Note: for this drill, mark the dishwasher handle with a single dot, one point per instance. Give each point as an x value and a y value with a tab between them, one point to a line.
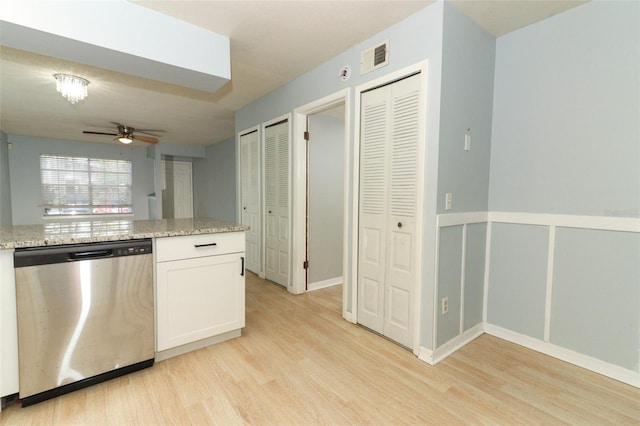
90	254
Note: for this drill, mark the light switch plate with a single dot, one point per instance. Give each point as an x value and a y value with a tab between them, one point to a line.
448	201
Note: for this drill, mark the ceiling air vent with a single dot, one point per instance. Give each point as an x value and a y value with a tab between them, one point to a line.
374	58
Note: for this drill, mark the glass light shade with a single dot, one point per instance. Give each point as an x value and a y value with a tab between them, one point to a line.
125	140
71	87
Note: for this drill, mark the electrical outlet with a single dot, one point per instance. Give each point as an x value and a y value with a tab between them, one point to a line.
445	305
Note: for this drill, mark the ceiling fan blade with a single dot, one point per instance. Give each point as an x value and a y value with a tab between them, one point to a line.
148	131
147	139
100	133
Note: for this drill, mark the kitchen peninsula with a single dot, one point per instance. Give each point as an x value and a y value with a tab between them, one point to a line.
198	279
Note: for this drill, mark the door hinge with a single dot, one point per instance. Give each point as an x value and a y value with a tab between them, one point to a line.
305	264
306	136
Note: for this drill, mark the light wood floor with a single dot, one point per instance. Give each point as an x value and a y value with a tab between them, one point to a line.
298	362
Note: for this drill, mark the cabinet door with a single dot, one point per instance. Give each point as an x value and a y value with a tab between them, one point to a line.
199	298
8	326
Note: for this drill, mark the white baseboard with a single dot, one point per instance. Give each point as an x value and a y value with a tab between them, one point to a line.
434	357
348	316
456	343
425	355
624	375
324	283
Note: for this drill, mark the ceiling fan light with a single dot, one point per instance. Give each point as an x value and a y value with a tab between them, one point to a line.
71	87
125	140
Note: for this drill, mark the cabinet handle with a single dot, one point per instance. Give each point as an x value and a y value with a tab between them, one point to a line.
399	224
205	245
242	267
244	208
269	211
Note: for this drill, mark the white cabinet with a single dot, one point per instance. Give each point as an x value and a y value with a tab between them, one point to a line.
200	291
8	326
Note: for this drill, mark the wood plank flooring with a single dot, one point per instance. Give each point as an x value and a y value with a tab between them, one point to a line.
299	363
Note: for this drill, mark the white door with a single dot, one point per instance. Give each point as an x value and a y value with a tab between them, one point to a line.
391	128
250	197
276	169
177	195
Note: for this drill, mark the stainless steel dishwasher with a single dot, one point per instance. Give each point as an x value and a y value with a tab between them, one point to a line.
85	315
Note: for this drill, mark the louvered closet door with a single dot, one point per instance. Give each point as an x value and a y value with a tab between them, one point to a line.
277	203
374	133
250	198
390	133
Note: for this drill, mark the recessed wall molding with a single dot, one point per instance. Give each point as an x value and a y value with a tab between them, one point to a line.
606	223
618	366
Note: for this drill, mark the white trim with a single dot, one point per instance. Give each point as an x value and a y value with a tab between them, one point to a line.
463	259
549	290
487	265
456	343
606	223
436	301
624	375
453	219
325	283
425	355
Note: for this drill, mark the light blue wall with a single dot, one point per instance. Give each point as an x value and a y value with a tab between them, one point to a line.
459	249
474	274
566	140
214	182
518	278
565	121
326	198
595	305
468	58
5	184
24	160
449	283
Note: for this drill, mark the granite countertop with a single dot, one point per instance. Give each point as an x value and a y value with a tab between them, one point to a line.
90	231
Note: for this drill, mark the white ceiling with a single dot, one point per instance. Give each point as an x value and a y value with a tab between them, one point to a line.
272	42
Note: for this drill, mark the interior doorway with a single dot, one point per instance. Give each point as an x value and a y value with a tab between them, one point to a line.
177	189
312	161
325	197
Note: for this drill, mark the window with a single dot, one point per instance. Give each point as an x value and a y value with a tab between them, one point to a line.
85	186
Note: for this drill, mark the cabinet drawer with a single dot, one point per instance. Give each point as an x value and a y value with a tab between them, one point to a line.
193	246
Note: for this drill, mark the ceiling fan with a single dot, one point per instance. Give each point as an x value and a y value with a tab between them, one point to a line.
126	134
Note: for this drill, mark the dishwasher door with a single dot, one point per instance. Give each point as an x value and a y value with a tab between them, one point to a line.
85	314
